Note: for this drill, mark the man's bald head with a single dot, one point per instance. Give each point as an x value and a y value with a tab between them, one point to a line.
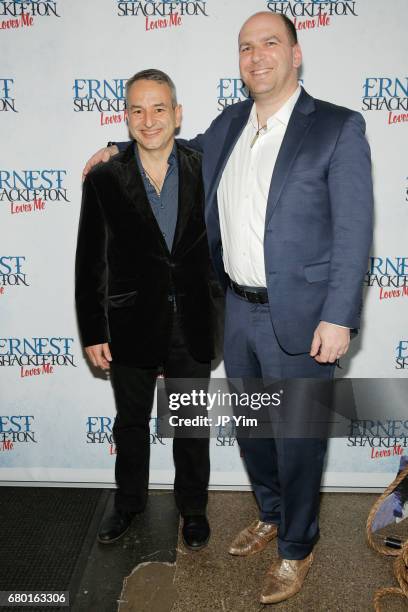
289	25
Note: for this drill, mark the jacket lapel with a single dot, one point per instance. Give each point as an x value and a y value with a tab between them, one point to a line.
135	188
301	119
187	192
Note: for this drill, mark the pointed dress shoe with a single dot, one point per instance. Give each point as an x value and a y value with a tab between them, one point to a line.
115	526
284	579
196	531
253	539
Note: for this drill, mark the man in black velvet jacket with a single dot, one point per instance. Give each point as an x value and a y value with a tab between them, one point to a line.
143	295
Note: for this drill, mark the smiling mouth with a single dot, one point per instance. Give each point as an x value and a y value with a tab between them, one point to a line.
260	72
151	134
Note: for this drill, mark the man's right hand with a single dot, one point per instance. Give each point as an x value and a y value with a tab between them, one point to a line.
103	155
99	355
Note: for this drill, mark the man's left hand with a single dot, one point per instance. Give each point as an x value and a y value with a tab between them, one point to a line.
330	342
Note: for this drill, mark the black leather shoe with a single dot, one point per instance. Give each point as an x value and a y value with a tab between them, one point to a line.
115	526
196	531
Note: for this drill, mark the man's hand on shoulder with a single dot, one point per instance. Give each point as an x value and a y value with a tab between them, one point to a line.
330	342
99	355
103	155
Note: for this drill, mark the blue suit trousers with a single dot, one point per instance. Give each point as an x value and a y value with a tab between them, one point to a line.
285	473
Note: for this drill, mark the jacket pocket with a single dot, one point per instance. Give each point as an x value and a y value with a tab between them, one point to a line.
317	272
121	300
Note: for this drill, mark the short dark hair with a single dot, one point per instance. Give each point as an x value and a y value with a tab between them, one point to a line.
290	28
152	74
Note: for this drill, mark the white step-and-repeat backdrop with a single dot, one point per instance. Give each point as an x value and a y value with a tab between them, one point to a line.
63	67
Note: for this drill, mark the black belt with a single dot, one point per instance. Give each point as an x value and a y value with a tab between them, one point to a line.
253	295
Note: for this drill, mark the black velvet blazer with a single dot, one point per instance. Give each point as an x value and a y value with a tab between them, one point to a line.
125	271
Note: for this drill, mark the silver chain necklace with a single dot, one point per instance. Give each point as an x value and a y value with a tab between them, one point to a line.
258	132
153	182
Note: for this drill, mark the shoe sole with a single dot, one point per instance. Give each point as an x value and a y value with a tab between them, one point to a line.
272	600
252	552
113	540
194	548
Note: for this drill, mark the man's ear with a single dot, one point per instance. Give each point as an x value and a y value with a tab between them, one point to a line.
297	56
179	114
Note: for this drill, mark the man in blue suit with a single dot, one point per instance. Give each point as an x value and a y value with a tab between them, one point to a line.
289	222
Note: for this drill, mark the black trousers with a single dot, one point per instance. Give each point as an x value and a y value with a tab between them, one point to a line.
134	391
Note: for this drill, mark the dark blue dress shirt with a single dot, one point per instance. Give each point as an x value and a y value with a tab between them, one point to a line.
165	205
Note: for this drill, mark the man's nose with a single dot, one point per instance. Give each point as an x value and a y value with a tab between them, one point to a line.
256	55
149	118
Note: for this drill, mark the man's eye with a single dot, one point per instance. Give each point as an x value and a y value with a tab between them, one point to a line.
271	43
244	49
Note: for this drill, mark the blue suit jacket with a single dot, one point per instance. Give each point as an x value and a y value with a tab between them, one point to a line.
318	226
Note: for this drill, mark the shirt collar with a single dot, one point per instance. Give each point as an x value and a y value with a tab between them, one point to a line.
285	111
282	115
172	161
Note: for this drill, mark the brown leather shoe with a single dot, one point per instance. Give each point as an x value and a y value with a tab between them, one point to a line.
285	578
253	539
